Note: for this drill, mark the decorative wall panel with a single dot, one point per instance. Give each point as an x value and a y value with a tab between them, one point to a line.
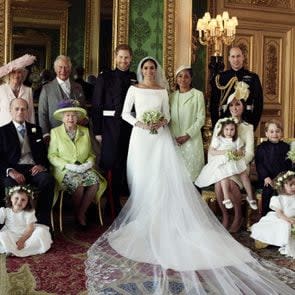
245	42
272	69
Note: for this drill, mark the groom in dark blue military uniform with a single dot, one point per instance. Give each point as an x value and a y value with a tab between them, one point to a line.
108	127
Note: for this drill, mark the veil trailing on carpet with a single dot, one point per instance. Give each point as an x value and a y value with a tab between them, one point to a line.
169	240
166	240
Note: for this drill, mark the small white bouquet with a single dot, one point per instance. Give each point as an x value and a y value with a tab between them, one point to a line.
291	155
152	117
233	155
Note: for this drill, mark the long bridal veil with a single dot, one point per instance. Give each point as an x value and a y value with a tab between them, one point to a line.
166	240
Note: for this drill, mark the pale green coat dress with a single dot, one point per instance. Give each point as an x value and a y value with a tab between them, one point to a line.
188	117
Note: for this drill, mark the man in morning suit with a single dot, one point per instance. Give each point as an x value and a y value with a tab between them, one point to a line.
225	85
108	127
23	158
60	88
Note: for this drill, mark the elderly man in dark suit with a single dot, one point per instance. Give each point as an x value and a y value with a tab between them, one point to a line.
60	88
23	158
108	127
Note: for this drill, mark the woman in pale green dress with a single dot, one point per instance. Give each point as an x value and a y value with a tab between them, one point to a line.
187	109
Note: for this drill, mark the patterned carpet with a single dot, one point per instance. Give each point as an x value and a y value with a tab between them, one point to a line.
61	270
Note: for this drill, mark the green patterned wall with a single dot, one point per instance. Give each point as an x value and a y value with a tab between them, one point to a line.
76	28
146	29
199	67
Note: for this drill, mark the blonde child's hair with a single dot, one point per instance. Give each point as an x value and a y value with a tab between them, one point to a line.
274	122
281	179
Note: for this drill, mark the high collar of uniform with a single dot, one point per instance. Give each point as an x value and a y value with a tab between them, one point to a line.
122	73
241	70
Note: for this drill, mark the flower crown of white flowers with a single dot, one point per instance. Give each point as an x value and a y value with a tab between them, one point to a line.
226	119
26	188
281	179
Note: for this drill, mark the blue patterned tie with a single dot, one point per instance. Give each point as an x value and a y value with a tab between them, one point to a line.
22	130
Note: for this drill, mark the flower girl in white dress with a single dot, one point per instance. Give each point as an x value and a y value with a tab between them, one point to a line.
278	226
20	235
225	160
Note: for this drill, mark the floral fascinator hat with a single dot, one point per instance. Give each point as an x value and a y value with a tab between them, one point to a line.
69	105
241	92
16	64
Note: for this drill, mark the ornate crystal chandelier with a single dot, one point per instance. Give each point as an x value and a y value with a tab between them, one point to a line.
217	31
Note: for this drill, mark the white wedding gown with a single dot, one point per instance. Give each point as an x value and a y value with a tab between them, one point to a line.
166	240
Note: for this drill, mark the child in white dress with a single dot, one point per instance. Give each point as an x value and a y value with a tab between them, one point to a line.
20	235
225	159
276	227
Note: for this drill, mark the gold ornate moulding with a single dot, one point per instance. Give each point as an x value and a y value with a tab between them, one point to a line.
268	4
169	40
32	14
120	22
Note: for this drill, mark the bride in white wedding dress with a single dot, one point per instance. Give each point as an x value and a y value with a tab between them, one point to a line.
166	240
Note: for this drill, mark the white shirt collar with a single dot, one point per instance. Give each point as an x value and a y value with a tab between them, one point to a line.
60	81
18	124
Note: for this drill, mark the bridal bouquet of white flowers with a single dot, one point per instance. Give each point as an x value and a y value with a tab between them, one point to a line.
152	117
233	156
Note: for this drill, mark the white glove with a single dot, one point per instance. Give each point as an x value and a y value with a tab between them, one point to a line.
86	166
83	167
79	168
72	167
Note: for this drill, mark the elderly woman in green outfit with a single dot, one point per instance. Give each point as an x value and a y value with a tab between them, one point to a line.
70	153
187	109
